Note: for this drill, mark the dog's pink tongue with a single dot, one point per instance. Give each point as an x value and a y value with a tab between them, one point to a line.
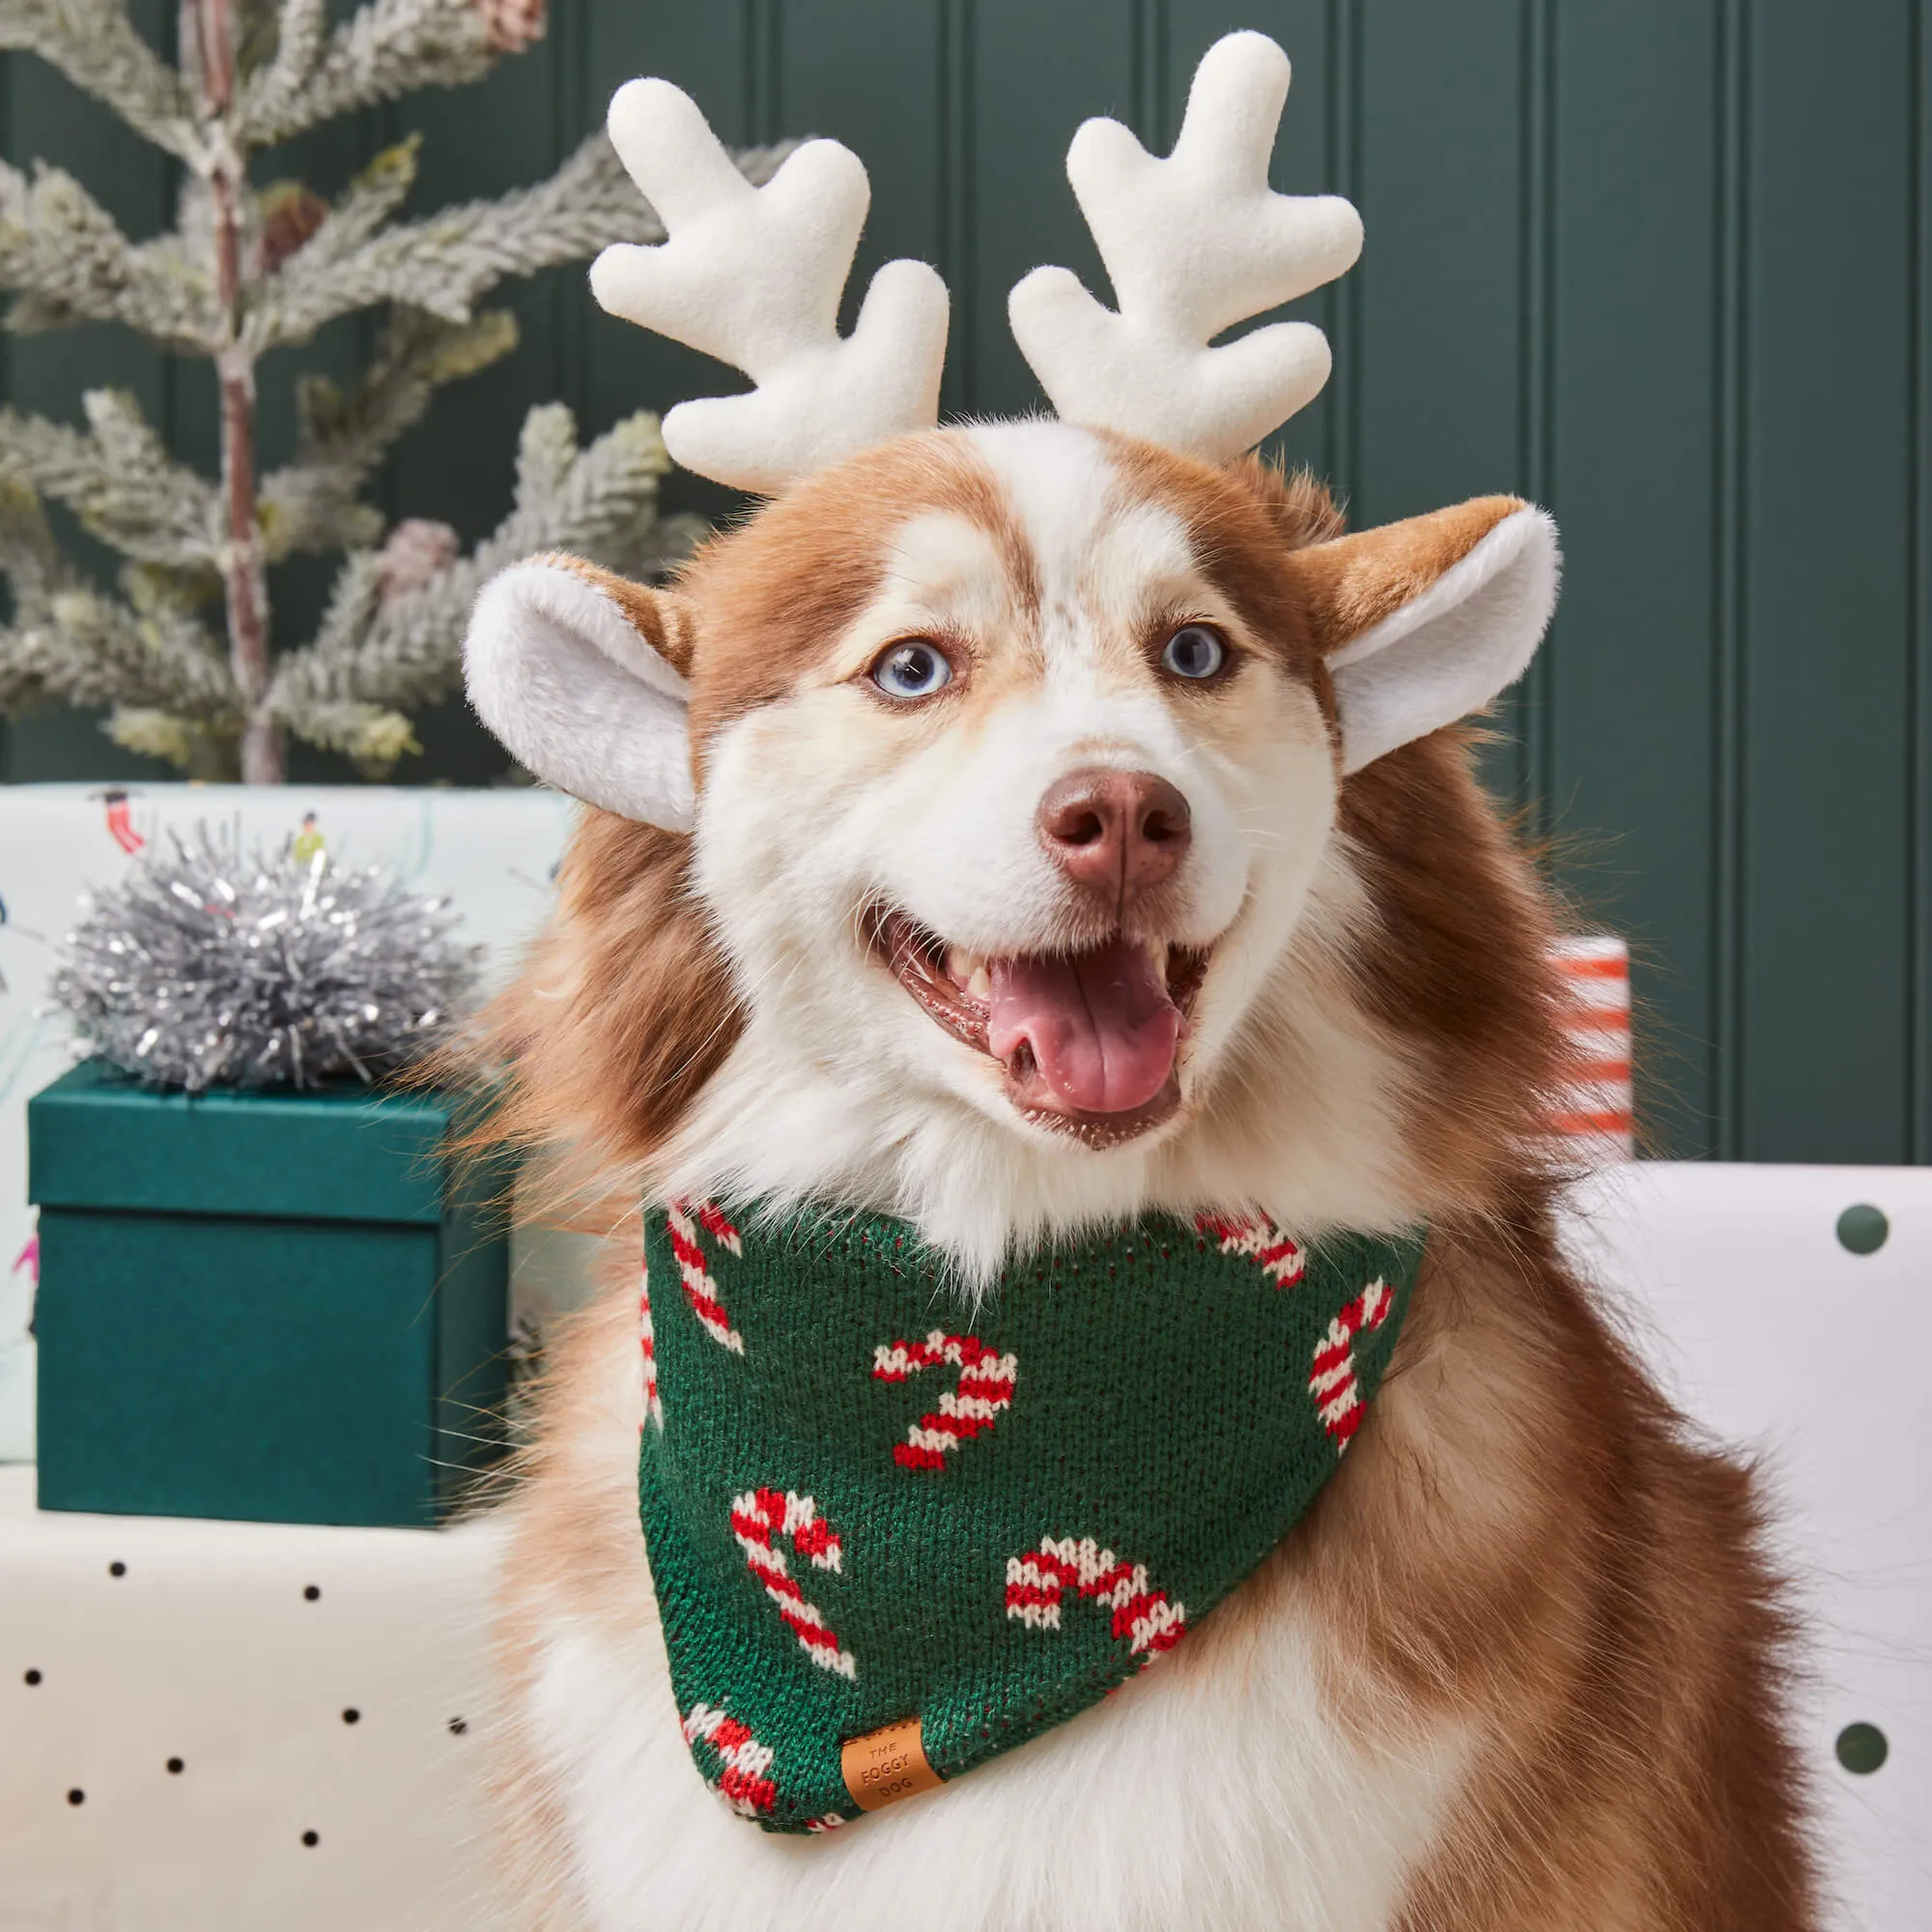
1100	1023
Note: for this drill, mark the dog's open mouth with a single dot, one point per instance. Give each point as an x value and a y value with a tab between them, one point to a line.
1088	1039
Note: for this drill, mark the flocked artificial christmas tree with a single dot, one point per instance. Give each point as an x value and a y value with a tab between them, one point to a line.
181	654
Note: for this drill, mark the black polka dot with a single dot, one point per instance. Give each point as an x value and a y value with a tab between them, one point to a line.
1862	1749
176	1767
352	1716
457	1726
117	1569
1863	1229
33	1677
313	1592
311	1838
76	1796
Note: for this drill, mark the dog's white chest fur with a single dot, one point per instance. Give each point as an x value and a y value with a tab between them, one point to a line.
1212	1792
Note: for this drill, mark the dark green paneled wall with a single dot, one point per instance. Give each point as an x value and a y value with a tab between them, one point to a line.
1661	263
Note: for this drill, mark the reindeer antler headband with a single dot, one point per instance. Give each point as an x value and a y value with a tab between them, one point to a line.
1192	246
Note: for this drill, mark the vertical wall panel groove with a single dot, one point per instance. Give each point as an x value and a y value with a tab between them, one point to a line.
574	111
1919	592
1154	116
1727	965
750	67
953	216
1534	776
764	64
169	395
1343	313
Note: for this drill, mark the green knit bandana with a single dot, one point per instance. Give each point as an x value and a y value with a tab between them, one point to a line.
873	1516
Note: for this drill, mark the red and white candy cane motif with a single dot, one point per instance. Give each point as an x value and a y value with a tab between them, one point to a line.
647	1338
743	1783
1036	1581
1278	1255
1332	1383
757	1517
986	1387
699	1290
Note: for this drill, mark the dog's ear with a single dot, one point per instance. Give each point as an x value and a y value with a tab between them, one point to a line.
1422	623
582	674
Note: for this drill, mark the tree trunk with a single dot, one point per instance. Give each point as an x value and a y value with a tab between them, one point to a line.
244	574
244	567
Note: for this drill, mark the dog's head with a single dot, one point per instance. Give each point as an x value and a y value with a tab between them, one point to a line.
1002	765
1002	780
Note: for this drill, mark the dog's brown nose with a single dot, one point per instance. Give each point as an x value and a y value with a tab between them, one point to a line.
1114	832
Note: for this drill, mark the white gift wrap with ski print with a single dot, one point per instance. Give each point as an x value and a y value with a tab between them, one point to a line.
494	854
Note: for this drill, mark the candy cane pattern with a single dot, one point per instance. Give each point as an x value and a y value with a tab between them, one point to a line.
1332	1383
756	1518
1279	1255
1036	1581
648	1337
699	1290
986	1387
743	1783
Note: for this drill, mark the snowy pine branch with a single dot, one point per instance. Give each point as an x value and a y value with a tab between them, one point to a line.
391	650
446	261
118	478
94	44
313	503
90	650
194	746
69	645
385	48
29	560
365	205
61	250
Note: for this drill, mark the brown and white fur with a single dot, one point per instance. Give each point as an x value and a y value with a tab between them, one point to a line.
1517	1670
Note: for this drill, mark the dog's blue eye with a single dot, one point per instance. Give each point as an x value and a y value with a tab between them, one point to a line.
1194	651
914	668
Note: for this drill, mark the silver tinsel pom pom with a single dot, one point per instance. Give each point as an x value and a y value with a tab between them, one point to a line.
204	968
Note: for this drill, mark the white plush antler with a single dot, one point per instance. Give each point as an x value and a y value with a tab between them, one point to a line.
753	276
1192	244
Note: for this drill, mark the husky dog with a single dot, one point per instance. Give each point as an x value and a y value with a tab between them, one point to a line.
1016	828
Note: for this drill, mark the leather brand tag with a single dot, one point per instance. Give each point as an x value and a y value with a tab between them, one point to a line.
887	1765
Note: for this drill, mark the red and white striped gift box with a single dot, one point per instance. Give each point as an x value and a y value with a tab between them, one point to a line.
1593	1110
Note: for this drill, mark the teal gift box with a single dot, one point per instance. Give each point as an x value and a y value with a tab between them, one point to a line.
278	1307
